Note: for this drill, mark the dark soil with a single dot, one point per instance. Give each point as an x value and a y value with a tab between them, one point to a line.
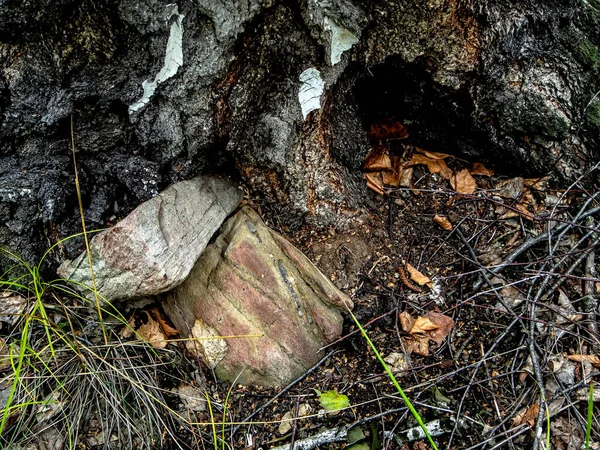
543	303
483	371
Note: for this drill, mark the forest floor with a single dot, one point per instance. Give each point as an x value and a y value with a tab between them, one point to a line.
512	265
501	277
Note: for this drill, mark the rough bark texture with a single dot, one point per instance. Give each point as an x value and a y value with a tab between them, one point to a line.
511	82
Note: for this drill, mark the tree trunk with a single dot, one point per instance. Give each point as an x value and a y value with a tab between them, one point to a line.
159	92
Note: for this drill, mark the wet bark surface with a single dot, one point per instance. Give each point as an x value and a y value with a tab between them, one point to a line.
514	84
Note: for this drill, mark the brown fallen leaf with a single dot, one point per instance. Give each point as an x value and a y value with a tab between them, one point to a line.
433	165
422	325
12	306
152	333
406	321
433	326
417	276
418	344
512	188
164	325
527	415
443	222
378	159
594	360
443	323
375	182
393	176
538	184
480	169
433	155
387	129
463	183
128	330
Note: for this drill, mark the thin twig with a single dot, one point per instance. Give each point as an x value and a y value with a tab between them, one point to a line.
284	390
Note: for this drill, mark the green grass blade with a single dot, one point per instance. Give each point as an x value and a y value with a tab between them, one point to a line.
590	417
396	384
212	421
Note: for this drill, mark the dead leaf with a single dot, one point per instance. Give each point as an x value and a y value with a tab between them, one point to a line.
594	360
417	276
422	325
564	435
527	415
463	183
433	165
12	306
512	188
444	325
480	169
152	333
538	184
433	155
167	329
192	397
524	212
387	129
433	326
443	222
406	321
375	182
393	177
128	330
418	344
378	159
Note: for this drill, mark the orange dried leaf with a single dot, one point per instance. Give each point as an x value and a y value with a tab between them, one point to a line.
443	222
433	155
527	415
433	165
393	177
406	321
538	184
594	360
388	129
375	182
443	326
480	169
167	329
422	325
378	159
127	330
463	183
524	212
152	333
417	276
418	344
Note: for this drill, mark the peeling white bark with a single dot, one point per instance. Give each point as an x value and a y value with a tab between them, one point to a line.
310	91
173	59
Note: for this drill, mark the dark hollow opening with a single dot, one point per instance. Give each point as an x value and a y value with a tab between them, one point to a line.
438	118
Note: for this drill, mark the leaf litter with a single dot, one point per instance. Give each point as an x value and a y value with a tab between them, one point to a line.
468	343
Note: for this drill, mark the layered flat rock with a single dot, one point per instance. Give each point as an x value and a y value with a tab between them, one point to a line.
154	248
253	282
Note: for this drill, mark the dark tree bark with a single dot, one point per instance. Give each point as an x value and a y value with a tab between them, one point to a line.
514	83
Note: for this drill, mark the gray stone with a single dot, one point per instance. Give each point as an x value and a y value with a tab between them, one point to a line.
251	281
154	248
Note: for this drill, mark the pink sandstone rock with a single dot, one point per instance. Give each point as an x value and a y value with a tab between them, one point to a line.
251	281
